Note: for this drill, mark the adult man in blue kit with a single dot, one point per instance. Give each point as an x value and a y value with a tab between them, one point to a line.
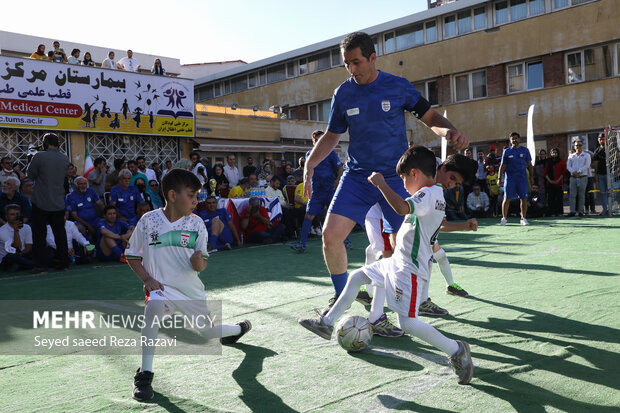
515	160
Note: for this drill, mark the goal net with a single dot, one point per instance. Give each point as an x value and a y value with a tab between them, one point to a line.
612	137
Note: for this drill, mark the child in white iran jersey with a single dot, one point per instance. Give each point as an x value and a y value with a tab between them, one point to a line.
167	250
405	274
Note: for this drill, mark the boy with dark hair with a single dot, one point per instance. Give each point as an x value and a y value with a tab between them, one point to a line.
406	273
167	251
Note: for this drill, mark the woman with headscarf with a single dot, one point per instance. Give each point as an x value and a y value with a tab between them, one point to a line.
155	194
555	170
40	53
539	173
88	60
141	185
220	179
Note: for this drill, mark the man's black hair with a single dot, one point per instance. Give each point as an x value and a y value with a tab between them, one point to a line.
98	161
466	167
177	179
276	178
11	207
109	207
192	153
418	157
50	139
361	40
118	162
243	181
141	157
132	162
515	134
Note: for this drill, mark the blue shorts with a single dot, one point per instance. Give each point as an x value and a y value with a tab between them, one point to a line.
321	198
355	196
516	187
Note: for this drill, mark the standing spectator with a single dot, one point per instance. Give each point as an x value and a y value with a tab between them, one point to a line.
281	168
168	164
155	167
59	55
492	158
11	196
69	182
539	175
455	203
218	175
113	235
198	168
15	241
219	225
250	168
73	59
157	68
150	174
493	188
125	197
48	169
299	172
7	170
231	171
112	178
589	196
257	226
96	177
40	53
108	62
88	60
578	165
128	63
264	173
84	206
469	153
600	169
516	161
132	165
555	170
478	203
481	173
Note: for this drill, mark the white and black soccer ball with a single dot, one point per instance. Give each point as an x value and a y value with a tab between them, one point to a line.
354	333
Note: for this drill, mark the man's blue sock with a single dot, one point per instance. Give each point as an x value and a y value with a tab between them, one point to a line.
117	252
339	281
213	240
305	230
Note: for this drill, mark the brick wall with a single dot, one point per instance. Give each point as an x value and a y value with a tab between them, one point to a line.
553	69
496	81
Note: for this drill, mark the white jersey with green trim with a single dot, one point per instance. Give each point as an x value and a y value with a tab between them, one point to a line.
166	247
417	234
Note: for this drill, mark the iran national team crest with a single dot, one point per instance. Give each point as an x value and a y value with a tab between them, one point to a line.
184	239
399	295
385	105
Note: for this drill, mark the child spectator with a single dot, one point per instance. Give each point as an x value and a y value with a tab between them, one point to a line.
88	60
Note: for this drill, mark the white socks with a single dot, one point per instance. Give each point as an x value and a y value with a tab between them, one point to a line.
444	265
428	333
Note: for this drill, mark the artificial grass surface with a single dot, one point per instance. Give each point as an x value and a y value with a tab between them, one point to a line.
541	321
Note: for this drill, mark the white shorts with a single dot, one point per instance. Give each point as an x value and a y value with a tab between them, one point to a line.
379	241
175	300
403	288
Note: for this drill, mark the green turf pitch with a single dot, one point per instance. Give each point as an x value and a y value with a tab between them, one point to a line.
542	321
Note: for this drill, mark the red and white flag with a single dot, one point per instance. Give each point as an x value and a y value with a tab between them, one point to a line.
89	166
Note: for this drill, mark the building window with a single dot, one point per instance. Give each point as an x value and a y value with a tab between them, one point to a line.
501	12
319	112
239	83
378	50
513	10
470	86
389	44
464	21
303	66
589	64
617	59
226	87
276	73
536	7
525	76
431	31
313	112
449	26
480	18
337	58
429	91
217	89
205	92
409	37
518	9
560	4
291	69
252	79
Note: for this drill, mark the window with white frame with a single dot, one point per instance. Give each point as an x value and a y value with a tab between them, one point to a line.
291	69
449	26
469	86
560	4
617	50
239	83
429	90
410	36
217	89
336	58
389	43
513	10
430	31
319	111
525	76
226	84
303	66
276	73
465	21
252	80
590	64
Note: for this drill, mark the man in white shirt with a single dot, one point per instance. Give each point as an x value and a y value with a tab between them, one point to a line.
231	171
7	170
79	246
288	210
478	203
15	241
150	174
578	165
128	63
108	62
199	169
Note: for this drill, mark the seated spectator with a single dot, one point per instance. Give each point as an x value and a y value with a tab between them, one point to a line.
250	168
96	177
273	191
7	170
288	212
40	53
70	178
79	247
125	196
73	59
132	165
10	195
257	226
128	63
255	188
84	207
157	68
18	169
288	171
536	203
219	225
478	203
88	60
155	194
112	178
142	208
59	55
241	190
15	241
141	185
112	236
264	173
27	188
108	62
455	204
50	56
168	164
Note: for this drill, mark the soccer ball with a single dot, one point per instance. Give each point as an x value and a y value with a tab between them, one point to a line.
354	333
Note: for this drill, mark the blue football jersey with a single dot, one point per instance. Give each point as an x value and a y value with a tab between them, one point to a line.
516	160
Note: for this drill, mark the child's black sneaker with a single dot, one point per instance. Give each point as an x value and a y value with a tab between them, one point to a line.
245	327
142	389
